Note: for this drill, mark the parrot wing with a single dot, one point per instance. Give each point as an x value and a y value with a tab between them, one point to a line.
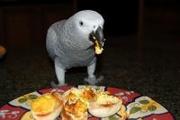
53	34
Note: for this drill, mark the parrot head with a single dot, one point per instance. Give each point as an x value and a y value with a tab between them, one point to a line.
89	24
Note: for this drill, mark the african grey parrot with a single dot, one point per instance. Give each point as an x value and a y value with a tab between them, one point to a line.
71	42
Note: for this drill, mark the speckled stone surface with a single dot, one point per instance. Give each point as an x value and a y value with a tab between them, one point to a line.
154	72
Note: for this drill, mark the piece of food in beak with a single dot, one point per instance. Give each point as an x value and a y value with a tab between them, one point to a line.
98	48
97	38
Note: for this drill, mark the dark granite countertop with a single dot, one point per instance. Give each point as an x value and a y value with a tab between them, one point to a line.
154	71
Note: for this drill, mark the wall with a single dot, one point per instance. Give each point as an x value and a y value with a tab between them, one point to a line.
25	26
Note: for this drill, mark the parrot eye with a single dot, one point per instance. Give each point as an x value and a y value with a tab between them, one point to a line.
81	23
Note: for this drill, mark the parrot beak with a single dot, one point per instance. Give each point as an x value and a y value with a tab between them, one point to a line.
97	37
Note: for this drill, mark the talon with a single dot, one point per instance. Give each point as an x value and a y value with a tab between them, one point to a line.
55	85
100	78
93	80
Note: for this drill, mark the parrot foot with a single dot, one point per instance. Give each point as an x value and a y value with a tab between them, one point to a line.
93	80
56	85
